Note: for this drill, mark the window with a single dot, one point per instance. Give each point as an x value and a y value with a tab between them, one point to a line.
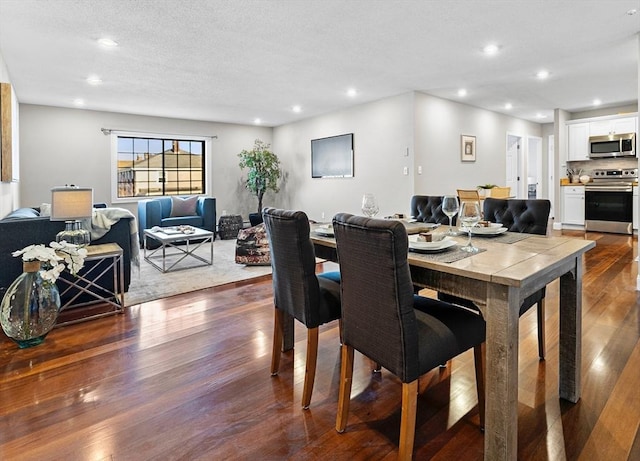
152	166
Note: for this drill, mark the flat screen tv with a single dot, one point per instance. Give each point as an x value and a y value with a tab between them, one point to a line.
332	157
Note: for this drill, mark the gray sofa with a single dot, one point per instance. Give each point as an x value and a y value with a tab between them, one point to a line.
25	226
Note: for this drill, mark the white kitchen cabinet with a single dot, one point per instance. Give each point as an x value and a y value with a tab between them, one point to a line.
578	148
613	126
573	205
635	207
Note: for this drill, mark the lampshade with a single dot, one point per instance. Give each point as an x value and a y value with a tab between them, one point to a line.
70	203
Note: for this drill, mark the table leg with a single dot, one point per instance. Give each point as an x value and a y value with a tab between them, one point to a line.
501	419
571	333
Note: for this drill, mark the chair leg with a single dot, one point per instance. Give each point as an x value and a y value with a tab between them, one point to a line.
346	377
541	330
277	341
310	366
408	420
479	355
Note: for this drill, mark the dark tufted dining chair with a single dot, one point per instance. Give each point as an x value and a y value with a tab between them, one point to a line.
518	215
382	318
428	208
311	299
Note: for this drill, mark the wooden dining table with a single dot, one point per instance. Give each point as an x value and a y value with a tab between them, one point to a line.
498	279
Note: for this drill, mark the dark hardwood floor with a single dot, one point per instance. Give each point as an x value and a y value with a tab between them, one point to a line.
187	378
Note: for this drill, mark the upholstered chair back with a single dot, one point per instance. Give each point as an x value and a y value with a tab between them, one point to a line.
377	299
428	208
295	285
519	215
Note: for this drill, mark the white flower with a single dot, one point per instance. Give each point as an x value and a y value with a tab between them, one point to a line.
55	256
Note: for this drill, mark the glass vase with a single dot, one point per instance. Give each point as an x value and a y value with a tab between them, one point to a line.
30	307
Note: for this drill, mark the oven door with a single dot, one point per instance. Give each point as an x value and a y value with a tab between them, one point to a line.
609	209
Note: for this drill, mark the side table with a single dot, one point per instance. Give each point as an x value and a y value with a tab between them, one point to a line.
229	225
86	279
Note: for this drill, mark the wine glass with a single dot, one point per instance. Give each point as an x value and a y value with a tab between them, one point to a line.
469	217
369	205
450	207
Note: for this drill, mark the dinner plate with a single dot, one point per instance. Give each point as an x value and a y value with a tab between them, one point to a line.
485	230
432	246
325	231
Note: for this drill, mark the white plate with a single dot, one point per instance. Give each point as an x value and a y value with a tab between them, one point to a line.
325	231
485	230
432	246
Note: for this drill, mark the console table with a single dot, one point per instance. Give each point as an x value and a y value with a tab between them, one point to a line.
112	254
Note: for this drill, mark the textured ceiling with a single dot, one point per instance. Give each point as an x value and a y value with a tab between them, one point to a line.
234	61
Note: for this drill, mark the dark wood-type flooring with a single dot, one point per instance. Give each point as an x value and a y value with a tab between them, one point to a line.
187	378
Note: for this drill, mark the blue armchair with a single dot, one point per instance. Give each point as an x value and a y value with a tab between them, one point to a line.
157	212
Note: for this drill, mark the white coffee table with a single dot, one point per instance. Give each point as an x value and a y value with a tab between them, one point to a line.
183	241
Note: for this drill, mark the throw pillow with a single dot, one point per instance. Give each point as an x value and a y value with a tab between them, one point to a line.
45	209
183	206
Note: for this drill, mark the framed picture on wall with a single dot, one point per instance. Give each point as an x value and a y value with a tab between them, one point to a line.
468	148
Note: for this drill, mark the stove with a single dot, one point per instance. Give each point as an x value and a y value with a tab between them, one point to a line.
614	176
609	201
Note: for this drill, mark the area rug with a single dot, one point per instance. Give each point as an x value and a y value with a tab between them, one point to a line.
148	283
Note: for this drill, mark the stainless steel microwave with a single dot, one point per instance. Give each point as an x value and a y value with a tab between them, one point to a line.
612	145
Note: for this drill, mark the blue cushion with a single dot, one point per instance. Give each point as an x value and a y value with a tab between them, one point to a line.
22	213
195	221
333	276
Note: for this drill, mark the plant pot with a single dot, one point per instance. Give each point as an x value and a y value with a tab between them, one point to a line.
255	219
30	307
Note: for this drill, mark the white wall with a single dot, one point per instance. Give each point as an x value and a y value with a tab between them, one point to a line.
439	123
65	146
383	131
9	191
429	127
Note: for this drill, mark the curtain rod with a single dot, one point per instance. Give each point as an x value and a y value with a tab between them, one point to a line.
107	132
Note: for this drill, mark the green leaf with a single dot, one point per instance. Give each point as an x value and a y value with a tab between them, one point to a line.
263	170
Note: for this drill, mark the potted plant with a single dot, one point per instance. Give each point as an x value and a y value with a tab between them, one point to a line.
263	174
485	189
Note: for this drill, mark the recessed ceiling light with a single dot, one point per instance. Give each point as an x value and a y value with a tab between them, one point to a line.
542	74
257	121
78	102
297	109
508	106
462	92
352	93
94	80
107	42
541	116
491	49
597	102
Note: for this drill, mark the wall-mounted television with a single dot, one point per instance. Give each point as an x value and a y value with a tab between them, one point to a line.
332	157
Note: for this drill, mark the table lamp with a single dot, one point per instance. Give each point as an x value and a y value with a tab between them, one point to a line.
70	204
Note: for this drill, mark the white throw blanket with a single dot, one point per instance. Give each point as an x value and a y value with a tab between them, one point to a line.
101	222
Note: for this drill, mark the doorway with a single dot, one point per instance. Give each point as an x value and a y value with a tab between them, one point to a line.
514	161
534	167
551	185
